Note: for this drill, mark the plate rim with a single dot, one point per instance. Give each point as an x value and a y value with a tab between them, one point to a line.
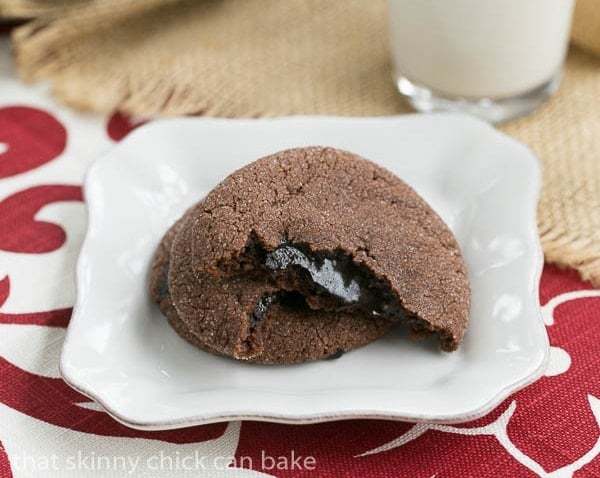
73	381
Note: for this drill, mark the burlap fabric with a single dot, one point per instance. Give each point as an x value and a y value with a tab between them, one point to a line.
33	8
586	25
272	57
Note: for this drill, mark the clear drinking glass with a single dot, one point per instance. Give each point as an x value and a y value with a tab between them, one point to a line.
496	59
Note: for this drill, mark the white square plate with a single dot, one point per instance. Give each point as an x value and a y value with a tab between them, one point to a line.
121	352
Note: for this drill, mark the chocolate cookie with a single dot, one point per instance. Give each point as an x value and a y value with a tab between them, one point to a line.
309	251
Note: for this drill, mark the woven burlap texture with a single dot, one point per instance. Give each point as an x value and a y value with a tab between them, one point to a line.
586	25
269	57
33	8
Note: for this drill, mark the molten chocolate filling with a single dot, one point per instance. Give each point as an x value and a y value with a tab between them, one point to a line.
332	282
329	281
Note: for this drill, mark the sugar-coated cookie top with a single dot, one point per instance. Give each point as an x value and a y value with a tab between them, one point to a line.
333	200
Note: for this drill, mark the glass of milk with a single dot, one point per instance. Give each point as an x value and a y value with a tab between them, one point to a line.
496	59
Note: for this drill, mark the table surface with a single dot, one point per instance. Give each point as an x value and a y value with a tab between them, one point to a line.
551	428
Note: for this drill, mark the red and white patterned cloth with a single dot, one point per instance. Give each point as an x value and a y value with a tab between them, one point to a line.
552	428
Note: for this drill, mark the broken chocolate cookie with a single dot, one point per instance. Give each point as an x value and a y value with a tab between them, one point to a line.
307	254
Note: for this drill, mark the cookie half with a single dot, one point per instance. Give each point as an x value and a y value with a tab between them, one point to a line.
247	318
345	232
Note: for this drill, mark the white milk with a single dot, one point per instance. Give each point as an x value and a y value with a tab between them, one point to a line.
479	48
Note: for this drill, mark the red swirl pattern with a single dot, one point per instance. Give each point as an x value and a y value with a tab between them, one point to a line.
30	137
20	231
